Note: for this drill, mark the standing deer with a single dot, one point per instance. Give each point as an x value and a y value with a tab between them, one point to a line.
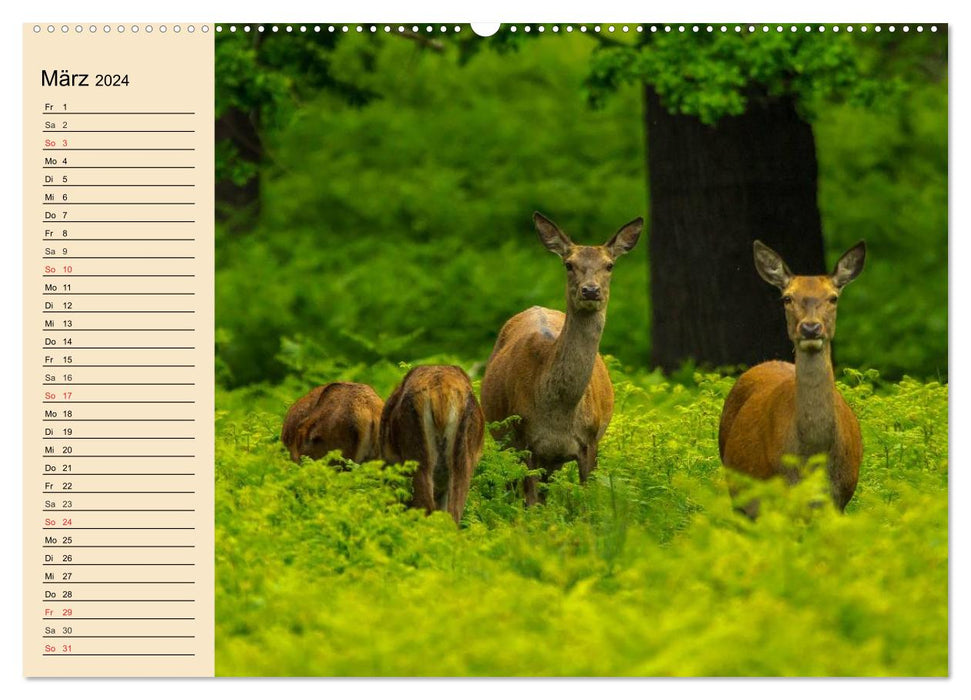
780	408
338	416
434	419
546	368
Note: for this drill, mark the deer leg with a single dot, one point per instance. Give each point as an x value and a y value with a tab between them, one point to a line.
424	490
530	491
586	461
531	483
750	509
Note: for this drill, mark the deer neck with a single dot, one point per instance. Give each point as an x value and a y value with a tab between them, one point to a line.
568	373
815	404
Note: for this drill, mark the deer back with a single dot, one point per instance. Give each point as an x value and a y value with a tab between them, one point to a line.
341	416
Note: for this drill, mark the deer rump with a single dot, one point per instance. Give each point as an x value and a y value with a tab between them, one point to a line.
337	416
439	425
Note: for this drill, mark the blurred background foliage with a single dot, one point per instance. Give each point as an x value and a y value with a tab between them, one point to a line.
396	178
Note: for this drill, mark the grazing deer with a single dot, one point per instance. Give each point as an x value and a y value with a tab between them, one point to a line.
338	416
780	408
546	368
434	419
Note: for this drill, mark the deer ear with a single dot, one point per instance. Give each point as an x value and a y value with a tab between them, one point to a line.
551	236
625	239
770	265
849	265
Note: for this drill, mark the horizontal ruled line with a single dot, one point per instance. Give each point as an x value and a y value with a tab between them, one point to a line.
123	311
118	257
72	528
125	347
72	401
115	618
73	564
122	221
119	420
116	437
112	184
125	583
124	474
123	600
119	167
142	275
130	240
68	511
119	636
120	294
110	204
118	131
118	330
127	113
63	148
70	654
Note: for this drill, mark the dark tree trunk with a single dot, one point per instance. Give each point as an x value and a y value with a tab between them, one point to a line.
239	204
713	190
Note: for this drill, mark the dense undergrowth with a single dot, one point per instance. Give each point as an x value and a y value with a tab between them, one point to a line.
646	570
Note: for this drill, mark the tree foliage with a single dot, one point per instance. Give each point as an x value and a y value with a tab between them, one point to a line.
716	74
403	223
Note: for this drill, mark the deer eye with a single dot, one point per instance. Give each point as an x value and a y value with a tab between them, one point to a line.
833	299
610	266
787	300
569	267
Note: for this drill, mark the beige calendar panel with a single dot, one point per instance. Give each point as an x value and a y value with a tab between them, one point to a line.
118	344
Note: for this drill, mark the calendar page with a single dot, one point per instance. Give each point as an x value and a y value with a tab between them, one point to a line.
464	350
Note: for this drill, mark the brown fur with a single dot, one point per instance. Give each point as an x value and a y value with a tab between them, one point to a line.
433	418
779	408
546	368
341	416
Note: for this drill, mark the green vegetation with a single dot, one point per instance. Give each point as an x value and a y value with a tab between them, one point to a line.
644	571
401	228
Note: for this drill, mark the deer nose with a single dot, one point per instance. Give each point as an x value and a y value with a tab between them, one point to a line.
810	331
590	291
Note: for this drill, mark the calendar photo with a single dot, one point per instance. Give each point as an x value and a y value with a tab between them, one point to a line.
531	268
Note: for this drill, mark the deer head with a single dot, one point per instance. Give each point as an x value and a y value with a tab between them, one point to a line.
809	300
588	267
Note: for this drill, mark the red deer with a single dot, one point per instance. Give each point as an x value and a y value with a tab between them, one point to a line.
546	368
434	419
338	416
781	408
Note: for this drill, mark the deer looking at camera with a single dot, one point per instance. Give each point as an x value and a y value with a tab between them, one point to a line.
781	408
338	416
546	368
434	419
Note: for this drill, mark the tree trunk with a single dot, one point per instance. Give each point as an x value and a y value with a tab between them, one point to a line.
239	204
713	190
